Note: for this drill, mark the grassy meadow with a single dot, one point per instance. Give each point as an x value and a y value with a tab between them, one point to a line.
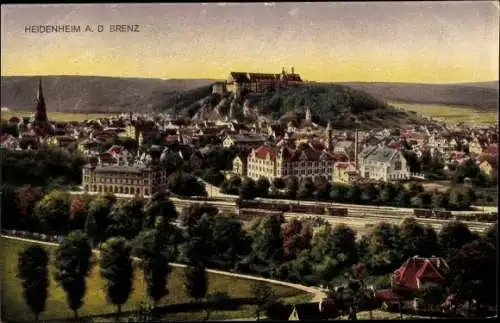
14	308
56	116
450	113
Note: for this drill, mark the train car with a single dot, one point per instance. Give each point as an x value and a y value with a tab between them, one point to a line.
423	213
336	211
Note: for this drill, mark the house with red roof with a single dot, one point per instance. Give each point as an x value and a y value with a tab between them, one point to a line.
410	277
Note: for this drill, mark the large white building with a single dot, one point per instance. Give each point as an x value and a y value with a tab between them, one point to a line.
381	163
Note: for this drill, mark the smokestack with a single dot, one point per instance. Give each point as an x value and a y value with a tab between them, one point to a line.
356	138
292	71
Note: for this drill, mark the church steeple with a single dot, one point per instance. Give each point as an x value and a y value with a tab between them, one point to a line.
328	136
41	111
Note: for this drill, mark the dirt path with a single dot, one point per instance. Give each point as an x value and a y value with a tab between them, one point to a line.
318	294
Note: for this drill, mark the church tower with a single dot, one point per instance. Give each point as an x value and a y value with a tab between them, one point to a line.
328	136
308	114
41	111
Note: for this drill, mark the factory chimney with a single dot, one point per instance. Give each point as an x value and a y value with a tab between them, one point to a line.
293	71
356	144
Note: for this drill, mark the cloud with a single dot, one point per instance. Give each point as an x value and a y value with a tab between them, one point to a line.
293	12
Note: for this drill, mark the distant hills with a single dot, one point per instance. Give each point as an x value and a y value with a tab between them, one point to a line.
93	93
346	104
482	95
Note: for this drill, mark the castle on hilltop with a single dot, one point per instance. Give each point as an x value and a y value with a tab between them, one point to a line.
238	82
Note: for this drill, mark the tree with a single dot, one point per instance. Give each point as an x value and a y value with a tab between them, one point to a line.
338	193
78	211
262	187
219	299
384	247
353	195
196	283
432	294
439	200
388	194
306	188
33	272
247	189
199	245
25	199
158	205
403	198
418	239
291	185
97	218
264	296
453	236
52	212
369	194
268	244
230	241
117	271
185	184
472	271
72	266
296	238
343	244
155	253
278	183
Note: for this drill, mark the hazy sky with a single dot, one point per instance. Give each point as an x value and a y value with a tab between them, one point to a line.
378	41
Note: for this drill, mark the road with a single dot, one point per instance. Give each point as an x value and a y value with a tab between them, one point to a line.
318	294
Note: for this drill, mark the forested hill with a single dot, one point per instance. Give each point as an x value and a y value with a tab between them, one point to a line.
93	93
343	106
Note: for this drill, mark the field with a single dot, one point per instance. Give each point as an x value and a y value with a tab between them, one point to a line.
450	113
56	116
14	307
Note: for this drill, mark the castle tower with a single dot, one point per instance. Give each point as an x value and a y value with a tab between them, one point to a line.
41	111
328	136
308	114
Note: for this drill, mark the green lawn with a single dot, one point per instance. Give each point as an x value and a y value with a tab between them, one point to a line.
56	116
450	113
14	307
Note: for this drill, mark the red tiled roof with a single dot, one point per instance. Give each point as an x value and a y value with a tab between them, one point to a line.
264	151
115	149
344	165
387	295
415	269
491	149
395	145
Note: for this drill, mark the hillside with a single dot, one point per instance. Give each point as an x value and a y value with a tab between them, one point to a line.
482	96
343	106
93	93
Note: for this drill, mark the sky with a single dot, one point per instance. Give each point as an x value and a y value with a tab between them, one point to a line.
426	42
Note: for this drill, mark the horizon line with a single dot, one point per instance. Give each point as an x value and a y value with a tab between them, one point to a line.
219	79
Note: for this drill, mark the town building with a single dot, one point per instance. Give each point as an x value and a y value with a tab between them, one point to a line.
141	180
244	141
410	277
381	163
344	172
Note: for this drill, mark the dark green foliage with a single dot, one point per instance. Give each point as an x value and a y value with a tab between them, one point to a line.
42	167
263	295
473	273
453	236
306	188
230	241
196	283
247	189
73	264
418	239
117	270
185	184
33	271
52	212
232	185
154	249
262	187
158	206
98	218
384	248
296	238
268	243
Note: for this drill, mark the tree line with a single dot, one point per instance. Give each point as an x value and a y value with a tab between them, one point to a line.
320	189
